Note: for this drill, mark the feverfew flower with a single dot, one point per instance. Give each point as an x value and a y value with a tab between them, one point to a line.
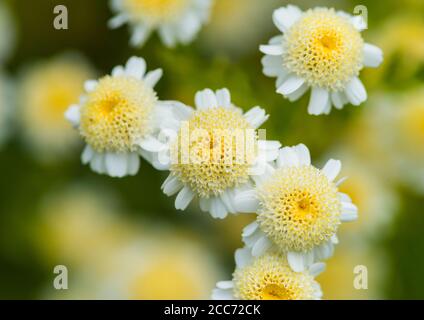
45	92
323	50
177	21
299	209
216	154
268	277
118	117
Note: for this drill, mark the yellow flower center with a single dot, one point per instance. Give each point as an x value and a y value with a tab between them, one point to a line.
156	11
117	114
299	208
269	277
323	48
212	152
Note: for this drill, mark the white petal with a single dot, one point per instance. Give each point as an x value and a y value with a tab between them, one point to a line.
285	17
219	294
217	208
303	154
250	229
296	95
152	77
184	197
171	185
205	99
90	85
288	157
73	115
318	101
225	284
290	85
152	144
116	164
133	164
256	116
355	92
296	261
205	204
272	65
87	154
373	55
261	246
316	269
246	202
227	200
118	71
97	163
117	21
332	169
140	35
135	67
223	97
349	212
243	257
339	99
272	49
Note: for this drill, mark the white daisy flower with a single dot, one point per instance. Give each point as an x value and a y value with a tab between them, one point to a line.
210	158
299	209
268	277
323	50
177	21
118	117
6	107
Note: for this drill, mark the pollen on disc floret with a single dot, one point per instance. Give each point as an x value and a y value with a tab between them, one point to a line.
215	163
117	114
324	48
299	208
270	277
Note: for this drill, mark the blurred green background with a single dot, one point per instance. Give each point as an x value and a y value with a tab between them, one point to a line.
43	197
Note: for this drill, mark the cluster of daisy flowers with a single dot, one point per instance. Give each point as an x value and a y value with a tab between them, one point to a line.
217	154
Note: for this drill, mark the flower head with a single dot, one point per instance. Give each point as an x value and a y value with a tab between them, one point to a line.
119	117
269	277
45	92
216	153
177	21
320	49
299	209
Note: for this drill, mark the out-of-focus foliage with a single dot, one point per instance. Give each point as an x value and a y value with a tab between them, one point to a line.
57	212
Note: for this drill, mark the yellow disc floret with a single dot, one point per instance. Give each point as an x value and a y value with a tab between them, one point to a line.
270	277
156	11
218	156
299	208
116	115
323	48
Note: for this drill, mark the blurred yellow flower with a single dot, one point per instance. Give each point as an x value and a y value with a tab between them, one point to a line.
78	226
337	282
46	91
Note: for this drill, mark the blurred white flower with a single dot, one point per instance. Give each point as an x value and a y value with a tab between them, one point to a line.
118	117
299	209
323	50
220	163
45	92
176	21
268	277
